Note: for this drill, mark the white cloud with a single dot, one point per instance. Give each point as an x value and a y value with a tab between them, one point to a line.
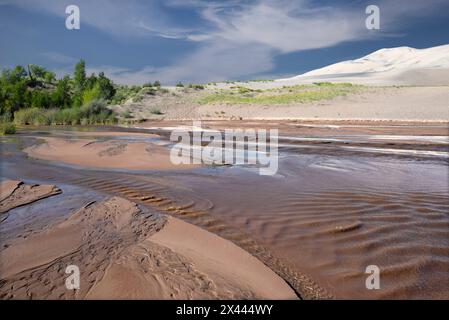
211	63
130	18
243	42
58	57
275	27
238	38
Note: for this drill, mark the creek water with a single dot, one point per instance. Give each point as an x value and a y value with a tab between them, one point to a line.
343	198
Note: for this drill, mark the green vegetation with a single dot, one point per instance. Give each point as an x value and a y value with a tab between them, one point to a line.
179	84
127	114
196	86
95	112
284	95
136	93
243	90
124	93
261	80
157	111
34	96
330	84
7	128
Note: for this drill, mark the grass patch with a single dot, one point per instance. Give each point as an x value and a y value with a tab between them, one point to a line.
261	80
284	95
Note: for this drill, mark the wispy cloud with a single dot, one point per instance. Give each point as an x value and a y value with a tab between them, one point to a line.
218	61
59	58
234	38
243	40
131	18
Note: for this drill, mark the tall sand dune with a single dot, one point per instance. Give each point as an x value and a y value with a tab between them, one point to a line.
390	66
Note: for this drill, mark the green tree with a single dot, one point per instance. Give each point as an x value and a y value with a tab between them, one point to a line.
90	82
91	94
107	90
41	99
17	74
17	97
79	80
13	89
61	97
80	75
37	72
49	77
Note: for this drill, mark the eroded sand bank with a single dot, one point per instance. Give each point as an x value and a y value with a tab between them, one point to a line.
14	194
124	251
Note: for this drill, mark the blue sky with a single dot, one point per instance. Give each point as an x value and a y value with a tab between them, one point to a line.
137	41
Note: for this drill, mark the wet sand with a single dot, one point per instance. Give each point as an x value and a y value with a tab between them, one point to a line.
14	194
126	253
347	195
110	154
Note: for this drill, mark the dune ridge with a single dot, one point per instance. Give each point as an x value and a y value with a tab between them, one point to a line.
400	66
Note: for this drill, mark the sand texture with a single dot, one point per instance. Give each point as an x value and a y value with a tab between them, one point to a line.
15	194
126	252
110	154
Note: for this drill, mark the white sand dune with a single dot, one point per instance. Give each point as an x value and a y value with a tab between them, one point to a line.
400	66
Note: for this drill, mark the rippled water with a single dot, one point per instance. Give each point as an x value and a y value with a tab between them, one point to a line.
334	217
340	202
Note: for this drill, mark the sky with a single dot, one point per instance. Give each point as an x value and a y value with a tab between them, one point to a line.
200	41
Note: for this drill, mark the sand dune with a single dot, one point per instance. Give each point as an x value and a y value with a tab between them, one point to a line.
400	66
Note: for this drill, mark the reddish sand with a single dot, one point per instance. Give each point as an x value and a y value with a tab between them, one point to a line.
111	154
15	194
125	253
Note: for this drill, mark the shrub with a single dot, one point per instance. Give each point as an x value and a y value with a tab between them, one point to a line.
7	128
95	107
67	116
179	84
6	117
156	111
243	90
196	86
126	114
91	94
31	116
148	90
95	112
124	93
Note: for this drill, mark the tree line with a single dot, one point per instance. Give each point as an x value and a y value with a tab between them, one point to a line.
36	87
